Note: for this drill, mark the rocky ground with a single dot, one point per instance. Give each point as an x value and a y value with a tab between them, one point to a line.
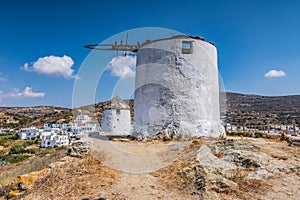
235	168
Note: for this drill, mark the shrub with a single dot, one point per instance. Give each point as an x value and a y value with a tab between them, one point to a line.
245	134
6	142
18	149
258	134
17	158
28	143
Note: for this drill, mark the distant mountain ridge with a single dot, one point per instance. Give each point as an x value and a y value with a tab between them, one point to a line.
262	110
263	103
239	109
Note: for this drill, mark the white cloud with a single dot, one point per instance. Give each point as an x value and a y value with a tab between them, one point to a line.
275	73
53	66
26	93
122	66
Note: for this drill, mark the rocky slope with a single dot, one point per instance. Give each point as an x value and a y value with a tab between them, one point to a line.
262	110
211	169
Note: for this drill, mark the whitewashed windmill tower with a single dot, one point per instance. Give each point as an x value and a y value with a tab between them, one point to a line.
116	117
176	86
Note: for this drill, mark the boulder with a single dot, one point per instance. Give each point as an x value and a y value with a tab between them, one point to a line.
79	148
24	182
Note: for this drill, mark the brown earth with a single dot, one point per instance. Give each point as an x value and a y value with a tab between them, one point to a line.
235	168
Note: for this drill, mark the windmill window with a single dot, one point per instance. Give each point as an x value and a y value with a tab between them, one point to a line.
118	111
187	47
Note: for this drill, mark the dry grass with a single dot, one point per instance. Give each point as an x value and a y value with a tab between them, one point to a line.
82	178
9	172
220	154
246	188
195	145
169	178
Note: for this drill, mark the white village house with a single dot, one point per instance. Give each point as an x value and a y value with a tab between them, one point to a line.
116	117
88	128
82	119
64	127
53	140
4	130
29	133
55	135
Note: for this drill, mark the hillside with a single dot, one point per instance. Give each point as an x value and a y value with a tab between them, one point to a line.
262	110
251	110
19	117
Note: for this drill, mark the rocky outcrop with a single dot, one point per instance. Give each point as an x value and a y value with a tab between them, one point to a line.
79	148
226	167
26	181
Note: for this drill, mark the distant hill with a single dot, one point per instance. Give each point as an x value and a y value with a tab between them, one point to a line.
18	117
261	110
240	109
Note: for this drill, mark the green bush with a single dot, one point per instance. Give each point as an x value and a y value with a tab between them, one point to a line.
10	135
2	156
6	143
18	149
258	135
245	134
7	139
17	158
32	151
28	143
7	134
37	141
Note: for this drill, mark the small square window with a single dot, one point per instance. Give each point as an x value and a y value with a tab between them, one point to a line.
118	111
187	47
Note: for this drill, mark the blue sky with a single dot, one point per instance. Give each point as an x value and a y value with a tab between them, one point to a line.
252	38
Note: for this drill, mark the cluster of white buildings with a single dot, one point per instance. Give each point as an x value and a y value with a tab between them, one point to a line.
30	133
59	134
116	119
272	129
5	130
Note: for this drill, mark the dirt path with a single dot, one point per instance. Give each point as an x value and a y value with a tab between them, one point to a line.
139	157
145	186
137	161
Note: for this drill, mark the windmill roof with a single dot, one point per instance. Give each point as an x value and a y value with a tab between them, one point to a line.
116	103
